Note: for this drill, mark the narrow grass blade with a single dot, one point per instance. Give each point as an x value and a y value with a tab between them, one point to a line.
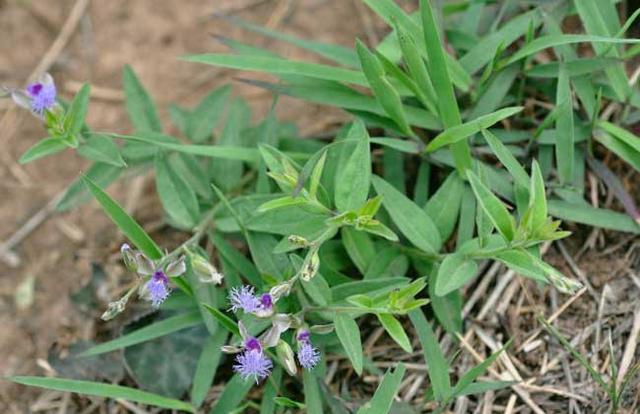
459	132
384	395
437	363
125	223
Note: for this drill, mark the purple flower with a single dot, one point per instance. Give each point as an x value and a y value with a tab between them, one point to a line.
38	96
253	363
158	288
244	298
308	356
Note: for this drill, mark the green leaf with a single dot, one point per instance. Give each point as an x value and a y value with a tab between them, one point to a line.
338	95
104	390
349	335
382	89
147	361
384	395
100	173
447	103
43	148
493	207
228	173
523	263
353	179
226	152
102	149
125	223
484	51
147	333
207	114
338	54
538	198
544	42
507	159
206	369
369	287
444	205
597	217
395	331
564	129
437	363
412	221
575	67
454	272
471	375
625	136
77	111
418	70
279	66
140	107
226	322
312	398
459	132
178	199
600	19
232	395
359	247
620	148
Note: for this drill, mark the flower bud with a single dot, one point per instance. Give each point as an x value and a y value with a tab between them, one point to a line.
280	290
205	271
310	267
231	349
298	241
287	358
129	257
114	309
176	267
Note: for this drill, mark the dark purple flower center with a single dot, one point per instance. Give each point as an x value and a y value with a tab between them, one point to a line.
252	344
34	89
304	336
159	276
266	301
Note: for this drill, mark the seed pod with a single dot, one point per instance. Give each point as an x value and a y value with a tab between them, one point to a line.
287	358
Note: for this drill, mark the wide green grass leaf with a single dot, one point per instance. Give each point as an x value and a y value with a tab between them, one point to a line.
279	66
104	390
147	333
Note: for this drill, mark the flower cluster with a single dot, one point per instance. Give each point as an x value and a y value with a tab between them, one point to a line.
252	361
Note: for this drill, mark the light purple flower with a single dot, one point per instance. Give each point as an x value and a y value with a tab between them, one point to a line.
43	95
39	96
243	298
158	288
253	363
308	356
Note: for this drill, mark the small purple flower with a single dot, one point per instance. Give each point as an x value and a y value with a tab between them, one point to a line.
244	298
158	288
308	356
253	363
42	94
266	301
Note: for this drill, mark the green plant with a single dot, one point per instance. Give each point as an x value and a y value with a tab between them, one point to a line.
459	153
